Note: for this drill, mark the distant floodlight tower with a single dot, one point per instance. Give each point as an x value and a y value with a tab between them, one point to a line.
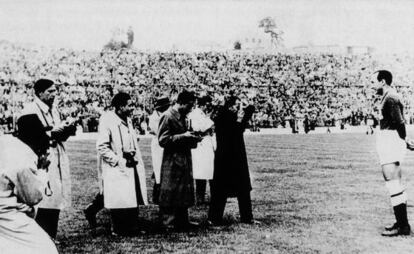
269	26
130	35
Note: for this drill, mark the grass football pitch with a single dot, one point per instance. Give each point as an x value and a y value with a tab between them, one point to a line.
321	193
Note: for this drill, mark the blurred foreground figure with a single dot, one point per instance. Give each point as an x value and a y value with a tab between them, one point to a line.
23	164
231	171
122	168
59	194
391	148
177	183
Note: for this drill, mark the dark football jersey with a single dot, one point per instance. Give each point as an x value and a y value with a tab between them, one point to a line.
392	112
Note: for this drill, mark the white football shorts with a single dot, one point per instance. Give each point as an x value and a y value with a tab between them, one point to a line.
390	147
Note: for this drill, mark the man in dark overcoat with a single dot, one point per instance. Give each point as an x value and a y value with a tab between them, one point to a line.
176	182
231	172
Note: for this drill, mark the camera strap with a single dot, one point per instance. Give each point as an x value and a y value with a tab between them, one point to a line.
121	138
120	135
44	116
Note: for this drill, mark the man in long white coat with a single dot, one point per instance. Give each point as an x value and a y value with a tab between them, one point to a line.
161	105
59	194
203	155
22	186
122	167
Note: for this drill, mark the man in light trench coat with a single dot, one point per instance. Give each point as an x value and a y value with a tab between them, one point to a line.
122	167
58	195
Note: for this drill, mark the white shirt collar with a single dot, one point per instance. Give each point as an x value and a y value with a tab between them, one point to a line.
42	105
119	120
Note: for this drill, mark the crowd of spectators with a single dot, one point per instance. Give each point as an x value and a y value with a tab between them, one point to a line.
323	88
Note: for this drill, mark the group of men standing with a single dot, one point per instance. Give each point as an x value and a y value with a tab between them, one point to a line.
35	177
184	151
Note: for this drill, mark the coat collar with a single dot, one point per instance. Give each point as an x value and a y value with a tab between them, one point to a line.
175	113
117	120
42	106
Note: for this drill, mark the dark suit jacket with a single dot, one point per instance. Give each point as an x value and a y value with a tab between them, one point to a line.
231	170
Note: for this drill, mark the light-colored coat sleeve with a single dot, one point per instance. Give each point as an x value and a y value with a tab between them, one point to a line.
18	166
103	143
153	123
27	186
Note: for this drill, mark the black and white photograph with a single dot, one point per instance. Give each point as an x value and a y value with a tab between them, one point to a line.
196	126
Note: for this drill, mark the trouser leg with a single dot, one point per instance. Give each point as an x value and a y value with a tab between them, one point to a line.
201	190
138	188
217	205
93	208
167	216
48	220
181	217
96	205
124	221
156	193
245	207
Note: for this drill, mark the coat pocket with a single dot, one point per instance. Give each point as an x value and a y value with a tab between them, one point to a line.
119	188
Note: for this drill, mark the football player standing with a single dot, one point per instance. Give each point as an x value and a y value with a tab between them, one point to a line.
391	144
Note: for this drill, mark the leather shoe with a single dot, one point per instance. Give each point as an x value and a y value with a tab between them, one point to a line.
166	229
391	227
212	225
191	225
188	226
404	230
251	222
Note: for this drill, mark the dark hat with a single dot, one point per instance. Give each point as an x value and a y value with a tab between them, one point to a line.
41	85
185	97
32	132
230	100
203	100
161	102
120	99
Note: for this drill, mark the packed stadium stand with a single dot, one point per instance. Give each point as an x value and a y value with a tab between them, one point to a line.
324	88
